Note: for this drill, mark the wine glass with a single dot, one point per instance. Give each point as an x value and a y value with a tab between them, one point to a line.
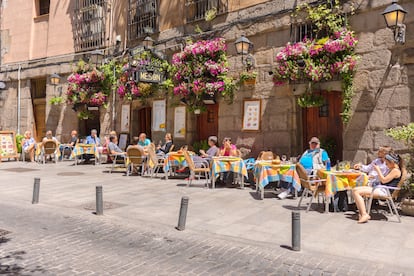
284	158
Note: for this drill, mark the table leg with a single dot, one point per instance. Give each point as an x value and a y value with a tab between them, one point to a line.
242	181
213	184
327	199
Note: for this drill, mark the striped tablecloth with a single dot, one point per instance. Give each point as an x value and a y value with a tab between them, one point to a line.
81	149
228	164
342	180
266	172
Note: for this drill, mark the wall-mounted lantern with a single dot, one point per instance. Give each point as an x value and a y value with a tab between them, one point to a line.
55	79
394	16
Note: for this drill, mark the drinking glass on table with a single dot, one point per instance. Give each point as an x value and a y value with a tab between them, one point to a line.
284	158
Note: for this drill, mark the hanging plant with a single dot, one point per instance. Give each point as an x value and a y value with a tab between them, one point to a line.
321	59
310	100
88	86
201	68
129	88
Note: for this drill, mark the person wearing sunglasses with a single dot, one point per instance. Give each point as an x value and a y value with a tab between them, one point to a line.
314	158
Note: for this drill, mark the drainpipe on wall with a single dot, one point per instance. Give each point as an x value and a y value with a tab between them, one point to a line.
18	97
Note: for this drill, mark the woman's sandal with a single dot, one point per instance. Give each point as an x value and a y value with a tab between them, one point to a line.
364	218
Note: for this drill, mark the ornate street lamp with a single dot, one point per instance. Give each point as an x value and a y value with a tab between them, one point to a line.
243	47
54	79
394	16
148	42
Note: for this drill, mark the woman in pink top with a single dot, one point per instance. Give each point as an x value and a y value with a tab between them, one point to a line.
228	149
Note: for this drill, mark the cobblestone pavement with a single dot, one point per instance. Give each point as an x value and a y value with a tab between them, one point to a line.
49	242
228	231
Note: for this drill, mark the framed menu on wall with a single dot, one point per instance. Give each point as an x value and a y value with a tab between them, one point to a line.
251	115
125	117
179	122
8	147
158	115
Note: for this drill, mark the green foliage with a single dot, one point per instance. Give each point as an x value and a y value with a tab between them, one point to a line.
210	14
56	100
19	138
310	100
203	144
247	75
329	144
85	115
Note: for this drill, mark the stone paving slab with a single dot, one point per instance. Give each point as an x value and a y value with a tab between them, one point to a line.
221	223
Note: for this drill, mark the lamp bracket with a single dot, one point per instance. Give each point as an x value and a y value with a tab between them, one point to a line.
399	34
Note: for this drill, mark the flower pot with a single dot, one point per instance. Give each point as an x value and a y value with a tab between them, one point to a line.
407	206
197	111
249	82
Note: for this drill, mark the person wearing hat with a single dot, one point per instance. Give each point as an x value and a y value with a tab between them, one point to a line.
396	168
314	158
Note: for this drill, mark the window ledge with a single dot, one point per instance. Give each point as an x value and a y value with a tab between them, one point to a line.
43	17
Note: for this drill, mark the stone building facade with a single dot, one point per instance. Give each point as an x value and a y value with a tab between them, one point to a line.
34	46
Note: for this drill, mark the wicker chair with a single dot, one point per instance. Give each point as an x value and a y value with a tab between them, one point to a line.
311	185
136	160
198	171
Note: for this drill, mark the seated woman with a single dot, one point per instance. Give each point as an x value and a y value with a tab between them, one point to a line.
395	166
29	145
228	149
213	149
164	149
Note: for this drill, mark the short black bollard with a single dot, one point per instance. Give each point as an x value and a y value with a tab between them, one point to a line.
36	188
183	213
99	201
296	231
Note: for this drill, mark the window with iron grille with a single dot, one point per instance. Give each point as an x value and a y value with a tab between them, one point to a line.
142	18
196	9
44	6
301	30
89	24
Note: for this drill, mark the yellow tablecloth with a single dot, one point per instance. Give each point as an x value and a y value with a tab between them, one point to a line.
342	180
228	164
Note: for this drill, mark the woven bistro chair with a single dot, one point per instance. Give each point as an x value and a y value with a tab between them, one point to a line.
157	161
49	148
202	169
266	155
136	160
311	185
390	197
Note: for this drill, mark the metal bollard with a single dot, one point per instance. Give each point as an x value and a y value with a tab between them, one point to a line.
36	188
99	201
183	213
296	231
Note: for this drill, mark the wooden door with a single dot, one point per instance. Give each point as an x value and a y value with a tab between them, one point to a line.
325	122
141	121
207	122
39	112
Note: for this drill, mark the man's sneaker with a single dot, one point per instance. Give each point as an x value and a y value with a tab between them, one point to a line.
283	194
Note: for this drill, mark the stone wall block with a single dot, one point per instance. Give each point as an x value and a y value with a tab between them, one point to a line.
378	59
394	77
400	96
361	80
365	142
365	42
384	38
375	78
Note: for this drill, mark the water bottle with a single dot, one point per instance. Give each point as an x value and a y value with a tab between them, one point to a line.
328	164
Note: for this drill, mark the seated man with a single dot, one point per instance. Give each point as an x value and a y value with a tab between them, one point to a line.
113	148
29	145
93	139
72	142
143	141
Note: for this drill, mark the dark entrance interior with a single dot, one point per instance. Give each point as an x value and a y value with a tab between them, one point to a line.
85	126
141	121
326	123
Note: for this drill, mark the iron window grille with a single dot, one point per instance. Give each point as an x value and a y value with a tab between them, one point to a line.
89	24
196	9
142	18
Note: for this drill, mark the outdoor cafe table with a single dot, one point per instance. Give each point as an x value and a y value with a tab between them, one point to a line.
265	172
341	181
228	164
173	159
81	149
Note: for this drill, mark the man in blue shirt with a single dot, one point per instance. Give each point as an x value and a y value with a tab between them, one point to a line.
94	140
314	158
143	141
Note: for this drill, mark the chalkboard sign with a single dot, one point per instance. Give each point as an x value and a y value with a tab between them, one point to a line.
8	147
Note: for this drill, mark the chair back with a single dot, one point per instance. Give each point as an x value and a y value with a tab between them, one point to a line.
152	155
189	160
49	147
135	155
303	176
266	155
396	193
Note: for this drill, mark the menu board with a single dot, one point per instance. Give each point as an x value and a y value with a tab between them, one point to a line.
251	115
8	145
158	115
179	122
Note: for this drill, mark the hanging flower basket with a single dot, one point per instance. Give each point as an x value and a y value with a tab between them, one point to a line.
248	77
